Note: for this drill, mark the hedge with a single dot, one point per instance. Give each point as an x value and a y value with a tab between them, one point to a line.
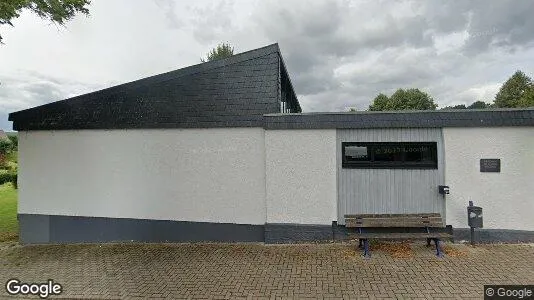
6	177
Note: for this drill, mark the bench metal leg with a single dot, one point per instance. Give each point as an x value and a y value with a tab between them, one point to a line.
439	253
366	252
360	244
428	242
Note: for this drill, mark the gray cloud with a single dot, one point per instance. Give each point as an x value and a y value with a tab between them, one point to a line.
446	16
506	24
26	90
342	54
210	21
4	123
170	9
22	90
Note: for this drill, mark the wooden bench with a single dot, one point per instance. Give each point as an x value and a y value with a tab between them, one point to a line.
427	226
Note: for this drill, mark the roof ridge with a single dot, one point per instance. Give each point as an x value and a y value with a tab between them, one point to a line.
170	75
219	63
423	119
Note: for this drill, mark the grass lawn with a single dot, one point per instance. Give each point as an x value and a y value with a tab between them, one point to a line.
9	226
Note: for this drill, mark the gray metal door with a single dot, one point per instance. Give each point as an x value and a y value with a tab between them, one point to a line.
389	190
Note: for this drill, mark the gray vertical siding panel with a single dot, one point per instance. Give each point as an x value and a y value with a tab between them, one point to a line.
389	190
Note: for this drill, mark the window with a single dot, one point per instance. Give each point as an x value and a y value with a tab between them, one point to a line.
405	155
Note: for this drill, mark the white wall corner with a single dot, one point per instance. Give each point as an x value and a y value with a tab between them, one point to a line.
505	197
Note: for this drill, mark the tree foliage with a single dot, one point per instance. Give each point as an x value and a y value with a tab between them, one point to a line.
479	105
513	90
527	99
5	146
381	102
403	99
14	142
57	11
475	105
459	106
222	50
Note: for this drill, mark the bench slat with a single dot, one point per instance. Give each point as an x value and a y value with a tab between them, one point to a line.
394	220
401	235
399	219
393	223
393	215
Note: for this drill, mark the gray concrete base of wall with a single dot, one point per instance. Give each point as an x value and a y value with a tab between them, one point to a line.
44	229
297	233
494	235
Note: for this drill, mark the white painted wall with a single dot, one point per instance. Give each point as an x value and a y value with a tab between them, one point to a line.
207	175
507	198
301	176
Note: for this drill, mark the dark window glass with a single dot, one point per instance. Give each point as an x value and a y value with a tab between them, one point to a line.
418	154
406	155
387	153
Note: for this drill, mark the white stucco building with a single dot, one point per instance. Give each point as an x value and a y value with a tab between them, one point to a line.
222	152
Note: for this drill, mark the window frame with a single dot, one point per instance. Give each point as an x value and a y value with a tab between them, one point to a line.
372	164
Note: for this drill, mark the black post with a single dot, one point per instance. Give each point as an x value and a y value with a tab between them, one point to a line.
472	228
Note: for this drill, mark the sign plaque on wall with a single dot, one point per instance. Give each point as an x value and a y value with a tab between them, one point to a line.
490	165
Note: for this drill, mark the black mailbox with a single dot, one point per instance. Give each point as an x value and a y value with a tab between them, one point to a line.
443	189
474	216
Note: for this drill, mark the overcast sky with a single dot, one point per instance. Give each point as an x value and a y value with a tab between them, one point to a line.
339	53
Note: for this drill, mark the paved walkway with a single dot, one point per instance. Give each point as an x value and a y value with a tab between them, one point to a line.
259	271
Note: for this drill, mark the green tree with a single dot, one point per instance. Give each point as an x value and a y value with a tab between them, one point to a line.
221	51
474	105
5	145
479	105
527	99
5	148
409	99
57	11
380	102
14	142
512	90
459	106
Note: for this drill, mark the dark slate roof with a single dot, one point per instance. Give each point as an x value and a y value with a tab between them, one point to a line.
403	119
231	92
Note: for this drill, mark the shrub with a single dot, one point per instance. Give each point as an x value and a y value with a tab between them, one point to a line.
14	142
5	146
6	177
14	177
12	166
3	161
12	157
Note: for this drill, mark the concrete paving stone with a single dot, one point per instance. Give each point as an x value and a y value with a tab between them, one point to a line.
256	271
